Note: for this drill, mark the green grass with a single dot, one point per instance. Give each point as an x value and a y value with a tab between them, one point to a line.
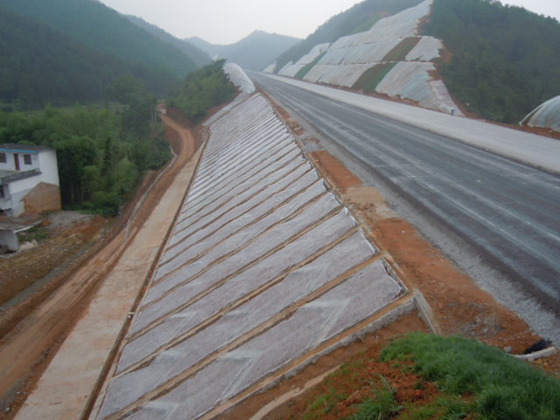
502	387
301	74
373	76
37	233
382	407
401	50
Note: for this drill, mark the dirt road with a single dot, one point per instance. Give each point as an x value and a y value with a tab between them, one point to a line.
31	346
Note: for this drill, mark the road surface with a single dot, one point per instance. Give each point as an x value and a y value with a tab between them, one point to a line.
505	209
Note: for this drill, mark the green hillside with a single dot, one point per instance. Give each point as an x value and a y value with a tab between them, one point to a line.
505	61
359	18
42	65
199	57
105	30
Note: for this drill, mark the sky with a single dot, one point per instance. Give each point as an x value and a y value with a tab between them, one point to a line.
228	21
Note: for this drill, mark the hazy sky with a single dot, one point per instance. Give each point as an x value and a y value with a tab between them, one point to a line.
228	21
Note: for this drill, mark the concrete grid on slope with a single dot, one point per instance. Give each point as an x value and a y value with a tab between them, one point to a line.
264	269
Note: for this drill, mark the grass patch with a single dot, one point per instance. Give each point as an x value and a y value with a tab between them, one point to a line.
301	74
501	386
38	233
401	50
324	404
373	76
382	406
422	376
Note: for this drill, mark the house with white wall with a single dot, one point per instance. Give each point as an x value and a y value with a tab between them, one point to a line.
29	181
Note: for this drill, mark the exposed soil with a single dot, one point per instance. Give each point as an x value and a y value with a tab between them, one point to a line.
39	324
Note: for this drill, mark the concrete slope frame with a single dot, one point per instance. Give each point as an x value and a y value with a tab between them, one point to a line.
265	269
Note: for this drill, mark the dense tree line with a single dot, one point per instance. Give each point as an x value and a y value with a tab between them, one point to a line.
505	61
102	152
359	18
202	90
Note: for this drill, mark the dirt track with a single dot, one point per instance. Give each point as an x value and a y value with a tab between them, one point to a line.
27	350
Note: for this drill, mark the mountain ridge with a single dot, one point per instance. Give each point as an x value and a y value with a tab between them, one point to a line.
254	52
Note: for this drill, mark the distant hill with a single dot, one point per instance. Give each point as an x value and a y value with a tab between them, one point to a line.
124	46
254	52
199	56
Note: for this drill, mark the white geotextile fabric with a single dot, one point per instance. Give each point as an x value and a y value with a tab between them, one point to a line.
239	78
343	75
546	115
412	80
261	252
427	49
347	59
292	69
270	68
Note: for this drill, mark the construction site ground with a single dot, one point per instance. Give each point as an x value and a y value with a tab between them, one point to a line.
103	285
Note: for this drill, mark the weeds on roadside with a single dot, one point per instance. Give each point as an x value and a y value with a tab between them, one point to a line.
501	386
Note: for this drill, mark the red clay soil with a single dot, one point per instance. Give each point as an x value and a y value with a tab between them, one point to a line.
30	344
302	393
349	387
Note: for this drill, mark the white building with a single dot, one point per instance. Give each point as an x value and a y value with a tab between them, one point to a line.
28	179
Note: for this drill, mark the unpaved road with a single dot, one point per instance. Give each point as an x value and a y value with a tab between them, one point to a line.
27	350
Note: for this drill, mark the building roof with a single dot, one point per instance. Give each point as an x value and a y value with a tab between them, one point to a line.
23	148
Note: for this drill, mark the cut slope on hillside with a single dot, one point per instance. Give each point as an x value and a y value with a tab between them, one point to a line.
356	19
390	59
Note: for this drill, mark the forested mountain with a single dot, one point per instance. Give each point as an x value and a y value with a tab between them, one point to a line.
102	28
254	52
41	65
66	51
199	56
359	18
505	61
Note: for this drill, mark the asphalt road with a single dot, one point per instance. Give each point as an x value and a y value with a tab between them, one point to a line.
510	212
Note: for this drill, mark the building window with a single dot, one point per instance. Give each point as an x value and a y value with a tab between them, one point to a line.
2	194
3	158
27	159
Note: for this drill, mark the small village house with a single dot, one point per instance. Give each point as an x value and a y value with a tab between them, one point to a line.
29	180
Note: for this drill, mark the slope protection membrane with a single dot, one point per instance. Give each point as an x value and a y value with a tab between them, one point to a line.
263	267
345	61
